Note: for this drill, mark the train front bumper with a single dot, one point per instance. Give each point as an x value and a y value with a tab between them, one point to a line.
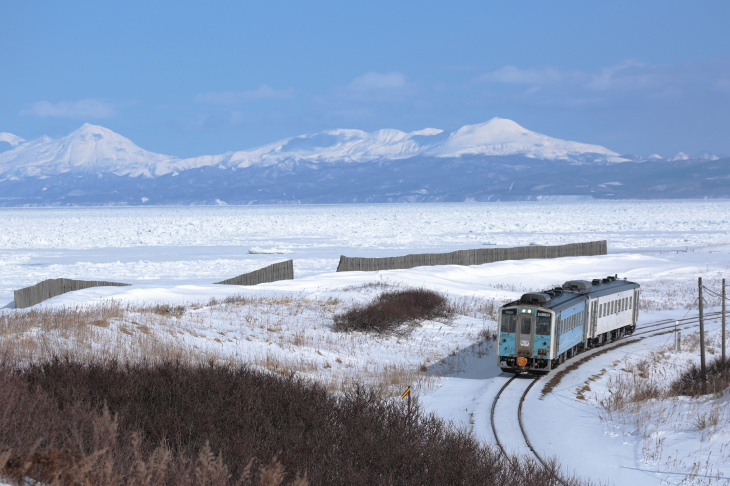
521	364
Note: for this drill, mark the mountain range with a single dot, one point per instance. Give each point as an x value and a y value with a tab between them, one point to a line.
495	160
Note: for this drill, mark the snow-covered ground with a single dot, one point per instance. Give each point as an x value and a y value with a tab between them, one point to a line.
172	256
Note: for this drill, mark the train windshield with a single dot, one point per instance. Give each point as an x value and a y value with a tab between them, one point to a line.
543	324
509	320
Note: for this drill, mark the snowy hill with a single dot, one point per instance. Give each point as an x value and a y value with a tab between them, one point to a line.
90	149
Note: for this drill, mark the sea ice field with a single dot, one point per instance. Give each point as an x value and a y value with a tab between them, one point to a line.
201	245
173	255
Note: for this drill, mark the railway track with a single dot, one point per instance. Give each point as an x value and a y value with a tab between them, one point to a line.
521	426
657	326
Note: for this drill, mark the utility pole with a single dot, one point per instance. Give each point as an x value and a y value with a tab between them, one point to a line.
702	343
723	320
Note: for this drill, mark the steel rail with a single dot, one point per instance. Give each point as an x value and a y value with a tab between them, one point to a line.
527	440
685	325
494	428
715	315
522	428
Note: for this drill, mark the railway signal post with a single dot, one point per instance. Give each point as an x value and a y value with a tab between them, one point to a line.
702	342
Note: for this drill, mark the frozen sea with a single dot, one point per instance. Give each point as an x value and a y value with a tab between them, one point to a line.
197	245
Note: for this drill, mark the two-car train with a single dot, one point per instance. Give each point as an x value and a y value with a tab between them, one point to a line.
543	329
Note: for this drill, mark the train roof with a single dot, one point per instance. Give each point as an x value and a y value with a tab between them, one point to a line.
574	292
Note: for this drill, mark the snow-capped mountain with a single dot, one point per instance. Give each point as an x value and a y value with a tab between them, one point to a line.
90	149
341	145
95	149
505	137
496	137
494	161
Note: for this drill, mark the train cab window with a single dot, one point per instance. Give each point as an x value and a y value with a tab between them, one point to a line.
509	320
542	328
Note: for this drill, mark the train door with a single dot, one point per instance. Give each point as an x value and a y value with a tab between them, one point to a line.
525	332
594	319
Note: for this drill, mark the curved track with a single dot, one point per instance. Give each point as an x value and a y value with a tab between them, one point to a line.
657	326
522	428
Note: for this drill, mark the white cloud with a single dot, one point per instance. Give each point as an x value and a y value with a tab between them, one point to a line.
626	76
235	97
541	76
88	108
371	81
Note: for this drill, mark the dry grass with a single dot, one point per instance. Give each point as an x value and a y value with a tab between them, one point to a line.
282	334
642	399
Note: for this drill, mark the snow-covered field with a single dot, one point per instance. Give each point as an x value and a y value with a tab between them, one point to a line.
172	256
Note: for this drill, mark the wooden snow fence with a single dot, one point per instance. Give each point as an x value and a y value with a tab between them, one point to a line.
52	287
272	273
472	257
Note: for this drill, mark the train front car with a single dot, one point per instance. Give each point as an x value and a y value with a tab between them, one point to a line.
525	337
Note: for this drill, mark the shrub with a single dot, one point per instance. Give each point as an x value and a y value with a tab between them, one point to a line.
390	310
64	422
690	382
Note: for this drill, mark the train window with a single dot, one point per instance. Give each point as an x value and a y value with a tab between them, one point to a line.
526	325
600	310
543	324
509	321
630	299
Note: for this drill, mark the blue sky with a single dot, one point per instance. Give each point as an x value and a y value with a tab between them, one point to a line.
195	78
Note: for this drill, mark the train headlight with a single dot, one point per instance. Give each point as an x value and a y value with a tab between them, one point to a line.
542	352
